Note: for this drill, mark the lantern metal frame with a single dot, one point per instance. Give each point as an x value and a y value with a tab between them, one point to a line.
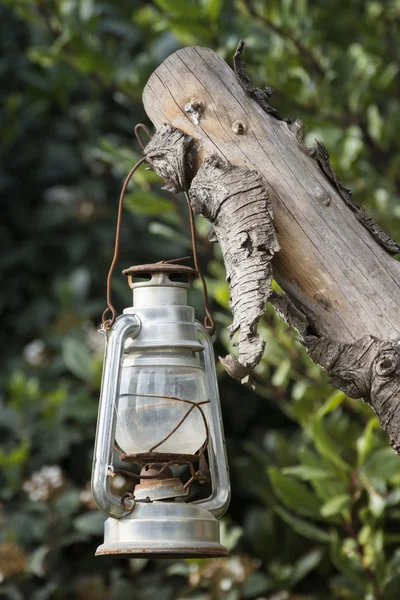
182	527
128	326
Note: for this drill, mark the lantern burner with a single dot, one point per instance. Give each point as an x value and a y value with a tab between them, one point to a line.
158	486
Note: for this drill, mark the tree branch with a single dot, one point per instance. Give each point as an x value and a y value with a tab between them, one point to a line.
244	165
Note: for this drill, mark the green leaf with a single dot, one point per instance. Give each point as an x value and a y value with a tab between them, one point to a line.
42	56
307	473
377	503
255	584
230	535
86	9
68	502
365	442
281	374
345	560
327	447
333	401
77	358
17	456
305	565
213	8
375	122
36	563
383	464
179	8
326	489
91	523
303	527
146	203
393	498
336	505
170	234
294	494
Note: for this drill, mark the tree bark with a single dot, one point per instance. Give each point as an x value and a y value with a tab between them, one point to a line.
276	204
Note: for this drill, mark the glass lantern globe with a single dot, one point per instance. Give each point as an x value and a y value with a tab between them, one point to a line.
149	406
159	408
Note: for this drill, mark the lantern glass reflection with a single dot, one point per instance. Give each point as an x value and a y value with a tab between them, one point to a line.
144	420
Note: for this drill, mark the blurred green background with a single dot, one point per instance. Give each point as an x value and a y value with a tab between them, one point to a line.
315	511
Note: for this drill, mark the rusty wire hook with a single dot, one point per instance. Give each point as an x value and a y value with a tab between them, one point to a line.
209	322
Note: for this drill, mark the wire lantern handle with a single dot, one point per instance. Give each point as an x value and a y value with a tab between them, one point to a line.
108	322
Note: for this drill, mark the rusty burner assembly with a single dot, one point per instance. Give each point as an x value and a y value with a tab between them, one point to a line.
159	410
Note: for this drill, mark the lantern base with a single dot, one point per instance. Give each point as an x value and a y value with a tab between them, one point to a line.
163	530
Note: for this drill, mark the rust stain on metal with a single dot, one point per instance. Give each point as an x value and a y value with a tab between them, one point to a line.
185	552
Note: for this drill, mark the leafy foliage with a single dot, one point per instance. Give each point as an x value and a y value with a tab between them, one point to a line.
316	490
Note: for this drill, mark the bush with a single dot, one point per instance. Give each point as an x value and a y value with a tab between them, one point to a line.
316	489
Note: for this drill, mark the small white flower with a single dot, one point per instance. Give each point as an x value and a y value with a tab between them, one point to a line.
225	584
42	484
33	353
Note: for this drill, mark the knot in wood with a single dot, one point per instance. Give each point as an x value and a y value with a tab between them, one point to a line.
170	153
386	363
238	127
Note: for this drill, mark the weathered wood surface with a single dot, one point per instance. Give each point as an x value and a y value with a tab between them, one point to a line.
344	283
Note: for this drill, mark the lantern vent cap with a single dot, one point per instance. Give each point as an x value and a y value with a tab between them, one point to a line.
170	272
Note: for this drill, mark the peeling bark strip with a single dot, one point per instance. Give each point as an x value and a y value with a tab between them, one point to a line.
381	236
235	201
260	96
342	287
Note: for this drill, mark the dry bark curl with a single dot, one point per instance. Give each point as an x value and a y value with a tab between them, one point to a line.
262	97
235	201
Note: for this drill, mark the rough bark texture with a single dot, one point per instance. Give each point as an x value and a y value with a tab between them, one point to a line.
235	201
368	368
171	155
342	286
377	232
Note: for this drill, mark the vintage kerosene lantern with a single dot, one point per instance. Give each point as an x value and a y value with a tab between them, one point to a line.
159	410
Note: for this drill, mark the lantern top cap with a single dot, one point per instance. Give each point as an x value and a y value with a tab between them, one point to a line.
164	267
